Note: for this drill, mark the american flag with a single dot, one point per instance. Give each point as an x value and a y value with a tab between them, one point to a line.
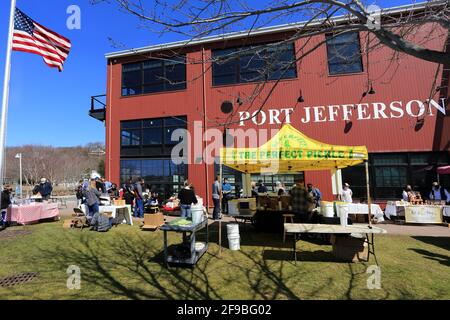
30	36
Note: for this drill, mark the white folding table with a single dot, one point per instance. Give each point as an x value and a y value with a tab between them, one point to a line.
296	229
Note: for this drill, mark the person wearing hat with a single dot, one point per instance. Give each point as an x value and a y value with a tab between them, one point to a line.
347	193
45	189
438	193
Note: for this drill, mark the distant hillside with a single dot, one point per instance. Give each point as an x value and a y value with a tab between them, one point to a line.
61	165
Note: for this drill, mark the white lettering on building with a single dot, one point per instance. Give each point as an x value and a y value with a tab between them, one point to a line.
346	112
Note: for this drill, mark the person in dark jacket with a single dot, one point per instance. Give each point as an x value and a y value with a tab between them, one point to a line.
79	193
45	189
5	203
187	198
128	195
100	185
114	192
261	187
139	201
92	196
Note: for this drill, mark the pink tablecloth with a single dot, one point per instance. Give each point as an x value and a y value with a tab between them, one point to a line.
25	214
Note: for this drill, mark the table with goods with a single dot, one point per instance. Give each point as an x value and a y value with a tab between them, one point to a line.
113	208
189	251
336	208
28	212
269	210
430	212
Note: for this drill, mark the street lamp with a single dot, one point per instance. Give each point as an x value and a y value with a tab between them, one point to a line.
19	156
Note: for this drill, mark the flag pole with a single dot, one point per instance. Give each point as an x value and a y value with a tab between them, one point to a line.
5	95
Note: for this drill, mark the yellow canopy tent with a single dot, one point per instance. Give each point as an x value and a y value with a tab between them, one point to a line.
292	151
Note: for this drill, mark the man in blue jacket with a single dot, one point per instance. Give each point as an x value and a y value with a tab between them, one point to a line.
45	189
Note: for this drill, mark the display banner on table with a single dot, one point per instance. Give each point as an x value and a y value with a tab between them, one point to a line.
423	214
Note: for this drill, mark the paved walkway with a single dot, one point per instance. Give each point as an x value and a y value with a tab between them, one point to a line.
393	229
416	230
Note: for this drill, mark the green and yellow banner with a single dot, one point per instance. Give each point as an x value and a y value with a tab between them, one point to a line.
289	151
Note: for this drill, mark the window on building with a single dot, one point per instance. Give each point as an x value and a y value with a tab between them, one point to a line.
150	137
390	172
254	64
270	181
160	175
344	53
154	76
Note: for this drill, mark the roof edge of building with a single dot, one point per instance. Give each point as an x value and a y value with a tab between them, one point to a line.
261	31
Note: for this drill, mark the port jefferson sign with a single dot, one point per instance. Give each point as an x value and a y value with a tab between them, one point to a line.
346	112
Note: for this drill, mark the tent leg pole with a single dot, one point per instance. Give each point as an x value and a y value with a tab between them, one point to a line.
220	209
369	201
336	180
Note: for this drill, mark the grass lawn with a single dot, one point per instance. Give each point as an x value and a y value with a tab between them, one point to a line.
126	263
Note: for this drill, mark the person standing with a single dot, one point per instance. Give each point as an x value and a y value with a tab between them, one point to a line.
347	193
301	201
439	193
139	198
315	194
100	185
45	189
279	188
187	198
128	194
216	192
79	193
114	192
261	187
408	194
5	203
226	191
92	195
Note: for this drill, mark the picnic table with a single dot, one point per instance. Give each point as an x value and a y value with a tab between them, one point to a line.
296	229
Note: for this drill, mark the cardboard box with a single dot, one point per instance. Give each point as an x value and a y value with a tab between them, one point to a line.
117	202
153	221
349	248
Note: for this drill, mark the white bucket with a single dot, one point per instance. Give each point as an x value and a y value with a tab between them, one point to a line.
233	230
342	210
327	209
234	243
197	214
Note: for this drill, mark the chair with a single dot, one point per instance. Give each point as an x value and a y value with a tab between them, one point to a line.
286	217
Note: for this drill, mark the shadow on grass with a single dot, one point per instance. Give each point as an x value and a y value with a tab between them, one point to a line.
442	259
126	263
121	267
441	242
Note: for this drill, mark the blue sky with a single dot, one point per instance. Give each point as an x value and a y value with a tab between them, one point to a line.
51	108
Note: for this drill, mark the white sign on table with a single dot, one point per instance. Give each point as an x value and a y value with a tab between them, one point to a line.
423	214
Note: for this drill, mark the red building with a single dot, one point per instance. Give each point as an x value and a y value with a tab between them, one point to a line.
339	94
